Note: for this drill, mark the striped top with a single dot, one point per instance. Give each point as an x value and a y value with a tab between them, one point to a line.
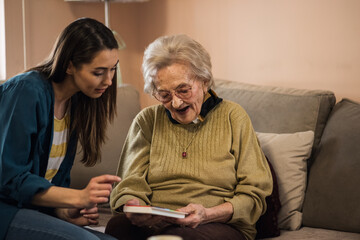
59	146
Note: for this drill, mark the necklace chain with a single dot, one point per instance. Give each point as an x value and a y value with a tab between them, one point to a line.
184	153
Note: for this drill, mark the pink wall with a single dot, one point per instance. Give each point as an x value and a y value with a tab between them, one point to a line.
299	43
45	19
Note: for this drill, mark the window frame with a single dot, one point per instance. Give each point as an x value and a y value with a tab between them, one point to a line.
2	42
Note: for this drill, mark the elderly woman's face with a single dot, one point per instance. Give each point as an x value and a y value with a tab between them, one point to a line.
185	94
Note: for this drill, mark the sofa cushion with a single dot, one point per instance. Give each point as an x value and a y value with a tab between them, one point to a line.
279	109
332	197
288	154
309	233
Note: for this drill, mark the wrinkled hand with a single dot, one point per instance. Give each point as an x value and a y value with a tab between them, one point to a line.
196	215
97	191
142	220
80	217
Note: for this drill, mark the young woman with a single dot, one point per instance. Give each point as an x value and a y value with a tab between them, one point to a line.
43	113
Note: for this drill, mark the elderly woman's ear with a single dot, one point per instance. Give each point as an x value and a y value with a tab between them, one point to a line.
206	83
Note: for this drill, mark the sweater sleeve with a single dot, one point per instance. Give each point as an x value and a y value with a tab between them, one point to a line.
134	164
253	174
24	115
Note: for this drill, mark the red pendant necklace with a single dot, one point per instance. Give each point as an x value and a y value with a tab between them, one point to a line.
184	153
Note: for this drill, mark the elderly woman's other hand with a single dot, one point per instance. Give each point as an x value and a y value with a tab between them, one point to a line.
142	220
198	214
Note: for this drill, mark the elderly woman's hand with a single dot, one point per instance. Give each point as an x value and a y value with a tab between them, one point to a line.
142	220
198	214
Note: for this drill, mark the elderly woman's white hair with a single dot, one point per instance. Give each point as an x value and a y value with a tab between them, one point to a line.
167	50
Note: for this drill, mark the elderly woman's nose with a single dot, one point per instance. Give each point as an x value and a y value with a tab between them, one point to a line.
176	101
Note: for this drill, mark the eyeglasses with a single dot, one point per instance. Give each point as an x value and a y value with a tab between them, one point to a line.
163	96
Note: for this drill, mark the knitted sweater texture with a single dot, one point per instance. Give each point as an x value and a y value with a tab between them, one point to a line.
224	163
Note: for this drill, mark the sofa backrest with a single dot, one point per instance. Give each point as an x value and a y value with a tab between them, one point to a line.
332	196
128	105
280	109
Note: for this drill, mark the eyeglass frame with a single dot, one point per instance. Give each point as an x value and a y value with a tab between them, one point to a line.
171	93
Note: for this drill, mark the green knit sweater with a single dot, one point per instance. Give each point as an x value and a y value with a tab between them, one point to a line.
224	163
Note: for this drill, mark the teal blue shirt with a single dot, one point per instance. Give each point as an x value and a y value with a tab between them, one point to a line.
26	132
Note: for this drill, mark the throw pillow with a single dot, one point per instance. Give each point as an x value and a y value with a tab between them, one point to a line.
267	225
332	197
288	154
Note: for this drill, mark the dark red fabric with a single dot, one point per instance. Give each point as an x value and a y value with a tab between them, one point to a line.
267	225
121	228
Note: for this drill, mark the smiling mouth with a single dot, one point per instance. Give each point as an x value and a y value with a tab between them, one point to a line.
182	110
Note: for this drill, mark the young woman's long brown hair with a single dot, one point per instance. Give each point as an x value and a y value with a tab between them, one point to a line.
79	43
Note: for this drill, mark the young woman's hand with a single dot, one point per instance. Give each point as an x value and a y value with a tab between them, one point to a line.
97	191
80	217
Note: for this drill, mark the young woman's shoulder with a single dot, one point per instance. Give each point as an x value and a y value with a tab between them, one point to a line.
28	90
29	82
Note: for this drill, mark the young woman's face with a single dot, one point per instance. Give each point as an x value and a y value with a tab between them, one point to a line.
177	81
94	78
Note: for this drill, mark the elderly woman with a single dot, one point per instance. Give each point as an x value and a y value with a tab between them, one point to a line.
194	152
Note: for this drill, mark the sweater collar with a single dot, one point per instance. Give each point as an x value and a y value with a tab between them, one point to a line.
210	101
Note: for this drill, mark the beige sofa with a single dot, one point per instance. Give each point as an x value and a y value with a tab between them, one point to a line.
312	142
